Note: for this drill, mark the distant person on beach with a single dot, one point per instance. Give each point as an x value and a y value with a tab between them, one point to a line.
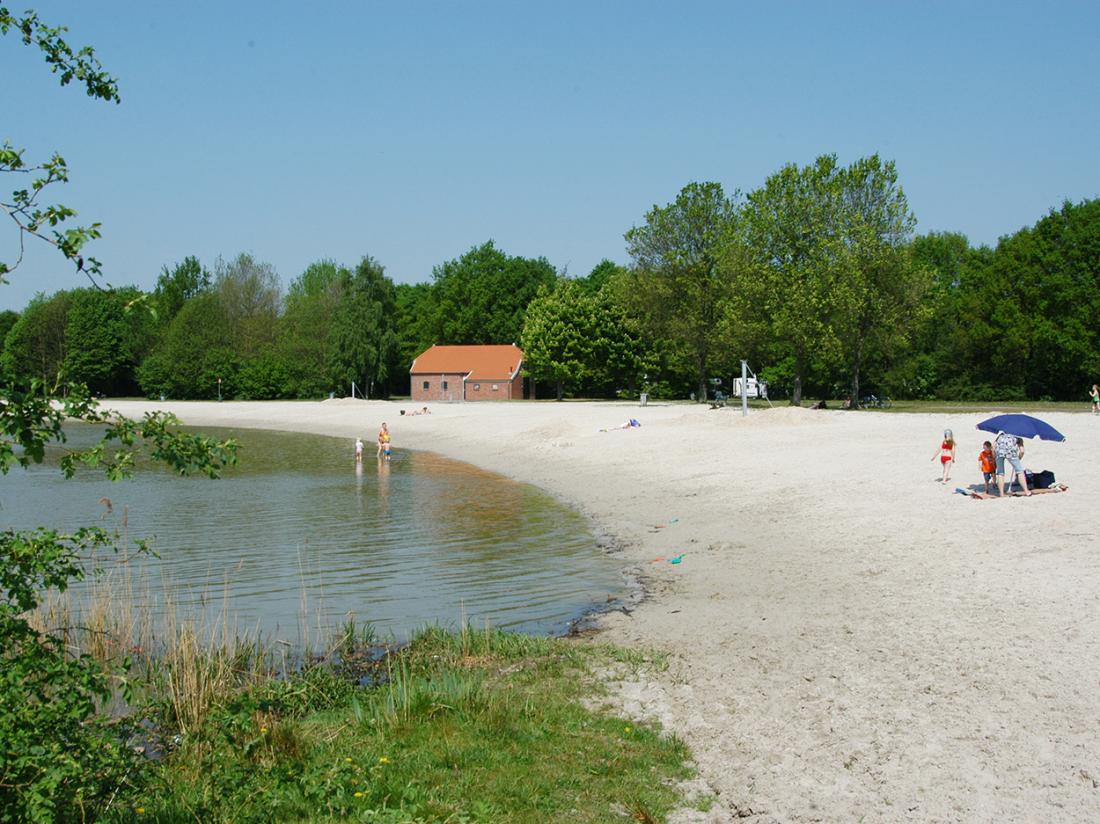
383	440
987	463
1095	396
946	452
358	450
1007	450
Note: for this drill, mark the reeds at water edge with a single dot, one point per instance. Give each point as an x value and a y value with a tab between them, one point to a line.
187	660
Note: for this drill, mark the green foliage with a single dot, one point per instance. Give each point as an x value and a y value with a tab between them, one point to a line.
177	286
30	216
681	290
482	297
195	351
263	377
364	341
59	759
882	292
580	340
8	318
794	227
105	339
414	307
249	295
305	343
469	726
35	346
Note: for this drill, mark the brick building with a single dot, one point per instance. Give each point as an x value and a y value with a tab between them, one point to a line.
468	373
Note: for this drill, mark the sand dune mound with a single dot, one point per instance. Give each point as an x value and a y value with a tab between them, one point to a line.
783	416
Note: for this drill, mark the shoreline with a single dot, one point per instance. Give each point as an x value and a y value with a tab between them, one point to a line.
846	637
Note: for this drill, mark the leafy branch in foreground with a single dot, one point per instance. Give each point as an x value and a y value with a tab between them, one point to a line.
60	759
33	419
23	207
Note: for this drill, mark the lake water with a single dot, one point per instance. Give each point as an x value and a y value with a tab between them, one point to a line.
298	537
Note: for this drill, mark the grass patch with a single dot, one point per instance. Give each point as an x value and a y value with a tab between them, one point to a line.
961	407
459	727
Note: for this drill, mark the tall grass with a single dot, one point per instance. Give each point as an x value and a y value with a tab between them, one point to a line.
185	661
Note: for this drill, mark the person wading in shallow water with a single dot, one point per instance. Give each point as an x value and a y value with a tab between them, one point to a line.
383	440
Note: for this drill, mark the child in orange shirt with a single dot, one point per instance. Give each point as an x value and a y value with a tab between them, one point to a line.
987	462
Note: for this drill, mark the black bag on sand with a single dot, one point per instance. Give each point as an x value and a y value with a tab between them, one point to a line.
1040	480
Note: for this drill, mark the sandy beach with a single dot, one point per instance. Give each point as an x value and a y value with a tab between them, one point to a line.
849	639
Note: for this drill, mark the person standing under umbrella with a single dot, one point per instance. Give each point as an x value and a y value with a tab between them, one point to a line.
1007	450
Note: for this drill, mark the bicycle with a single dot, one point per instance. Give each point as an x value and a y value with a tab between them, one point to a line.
874	402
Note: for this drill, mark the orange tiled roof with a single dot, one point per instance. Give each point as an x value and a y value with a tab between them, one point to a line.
482	363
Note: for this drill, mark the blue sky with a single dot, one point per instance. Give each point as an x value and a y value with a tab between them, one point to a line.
413	131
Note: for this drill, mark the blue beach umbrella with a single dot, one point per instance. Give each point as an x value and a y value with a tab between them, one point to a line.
1022	426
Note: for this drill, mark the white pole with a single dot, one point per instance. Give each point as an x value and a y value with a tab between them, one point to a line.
744	389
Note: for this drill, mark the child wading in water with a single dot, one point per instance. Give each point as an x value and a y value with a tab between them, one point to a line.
987	462
358	450
384	442
946	453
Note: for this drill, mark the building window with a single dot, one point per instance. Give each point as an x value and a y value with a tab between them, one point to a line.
495	387
427	385
444	386
477	387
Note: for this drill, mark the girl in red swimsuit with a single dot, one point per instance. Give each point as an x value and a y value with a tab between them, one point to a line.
946	453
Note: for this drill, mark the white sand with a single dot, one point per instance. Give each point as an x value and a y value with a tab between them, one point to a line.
849	639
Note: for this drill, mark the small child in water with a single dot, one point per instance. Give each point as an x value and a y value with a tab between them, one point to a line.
987	462
359	450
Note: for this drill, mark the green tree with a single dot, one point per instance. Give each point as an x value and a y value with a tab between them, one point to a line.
414	306
1031	309
482	296
580	341
196	350
178	285
305	343
106	337
250	296
880	297
796	235
364	338
8	317
681	290
601	274
35	346
932	358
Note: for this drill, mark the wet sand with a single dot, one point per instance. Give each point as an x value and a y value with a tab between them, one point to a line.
849	639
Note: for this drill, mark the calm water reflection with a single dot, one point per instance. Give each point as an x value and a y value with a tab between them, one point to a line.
298	535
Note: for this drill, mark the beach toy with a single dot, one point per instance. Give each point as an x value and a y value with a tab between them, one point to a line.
677	559
657	559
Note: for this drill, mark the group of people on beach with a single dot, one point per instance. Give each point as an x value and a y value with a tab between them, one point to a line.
1005	450
383	441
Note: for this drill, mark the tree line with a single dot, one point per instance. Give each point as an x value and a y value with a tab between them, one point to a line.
817	278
